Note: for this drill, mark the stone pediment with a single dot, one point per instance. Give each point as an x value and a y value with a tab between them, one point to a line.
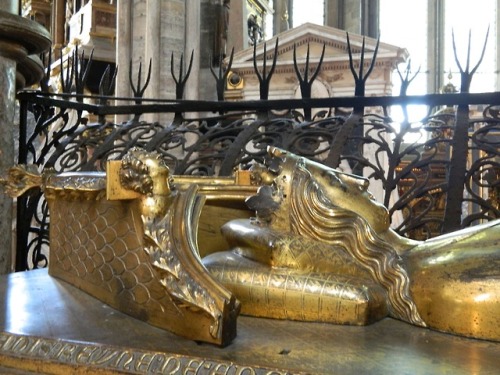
315	36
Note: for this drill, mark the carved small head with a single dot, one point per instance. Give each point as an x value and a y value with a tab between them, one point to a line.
145	172
344	190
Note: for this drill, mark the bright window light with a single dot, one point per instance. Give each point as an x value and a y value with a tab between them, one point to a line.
305	11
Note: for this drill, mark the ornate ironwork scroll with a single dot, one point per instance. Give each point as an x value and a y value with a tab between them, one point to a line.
60	132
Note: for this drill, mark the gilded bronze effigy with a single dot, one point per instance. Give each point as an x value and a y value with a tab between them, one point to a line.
321	249
292	239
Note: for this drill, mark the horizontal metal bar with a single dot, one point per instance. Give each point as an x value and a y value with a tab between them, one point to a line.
173	106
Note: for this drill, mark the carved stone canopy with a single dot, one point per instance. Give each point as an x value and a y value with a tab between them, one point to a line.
335	75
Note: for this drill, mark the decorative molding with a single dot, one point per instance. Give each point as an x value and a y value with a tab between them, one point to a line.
26	352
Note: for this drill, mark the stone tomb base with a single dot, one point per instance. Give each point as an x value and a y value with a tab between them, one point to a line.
48	326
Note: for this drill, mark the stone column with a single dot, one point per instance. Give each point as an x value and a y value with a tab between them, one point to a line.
7	103
281	19
11	6
193	32
153	52
237	37
369	18
8	56
334	13
58	25
19	37
497	87
123	53
435	50
352	15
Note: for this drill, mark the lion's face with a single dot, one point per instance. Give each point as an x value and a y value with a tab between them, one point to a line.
145	172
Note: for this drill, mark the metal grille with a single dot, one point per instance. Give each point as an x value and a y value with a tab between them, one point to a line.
452	165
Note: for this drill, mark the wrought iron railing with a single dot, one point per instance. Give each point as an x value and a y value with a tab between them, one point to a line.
428	185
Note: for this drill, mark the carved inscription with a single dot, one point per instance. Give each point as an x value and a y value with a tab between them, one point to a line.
113	358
